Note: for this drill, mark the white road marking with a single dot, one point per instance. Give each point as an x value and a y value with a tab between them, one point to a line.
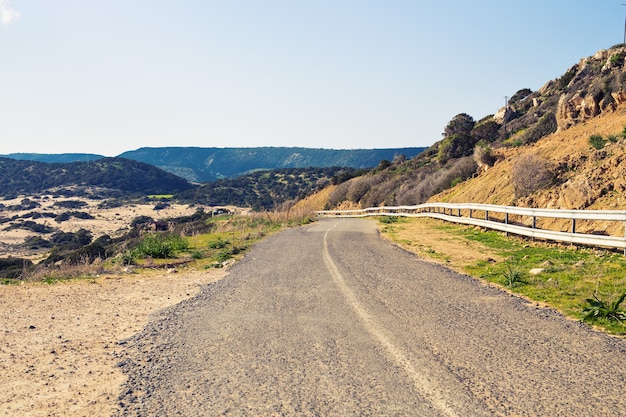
370	325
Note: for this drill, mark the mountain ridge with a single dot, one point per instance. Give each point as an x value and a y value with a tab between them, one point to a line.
207	164
210	164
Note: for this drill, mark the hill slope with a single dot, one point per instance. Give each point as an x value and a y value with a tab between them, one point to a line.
62	158
534	152
108	174
267	190
210	164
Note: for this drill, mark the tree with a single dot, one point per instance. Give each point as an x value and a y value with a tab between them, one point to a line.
487	130
462	123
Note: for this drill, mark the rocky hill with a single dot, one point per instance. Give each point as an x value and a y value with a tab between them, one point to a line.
563	146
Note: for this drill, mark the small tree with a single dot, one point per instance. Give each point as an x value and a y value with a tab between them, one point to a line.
460	124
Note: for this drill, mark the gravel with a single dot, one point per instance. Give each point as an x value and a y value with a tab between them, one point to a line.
330	320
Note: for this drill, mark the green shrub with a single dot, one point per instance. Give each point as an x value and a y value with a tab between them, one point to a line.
388	219
512	277
160	246
597	141
456	146
604	309
617	59
219	243
544	126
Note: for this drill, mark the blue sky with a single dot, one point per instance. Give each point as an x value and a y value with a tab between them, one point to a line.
109	76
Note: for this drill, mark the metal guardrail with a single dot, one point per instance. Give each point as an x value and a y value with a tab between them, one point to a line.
467	214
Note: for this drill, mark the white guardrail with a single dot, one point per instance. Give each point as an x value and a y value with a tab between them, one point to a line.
471	214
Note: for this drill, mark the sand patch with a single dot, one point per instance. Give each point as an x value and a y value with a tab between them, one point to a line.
58	342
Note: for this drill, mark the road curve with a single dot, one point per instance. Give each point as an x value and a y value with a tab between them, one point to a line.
330	320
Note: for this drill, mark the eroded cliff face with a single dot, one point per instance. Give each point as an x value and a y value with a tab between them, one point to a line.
597	85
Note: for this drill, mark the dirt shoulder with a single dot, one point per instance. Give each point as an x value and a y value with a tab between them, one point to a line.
425	239
58	342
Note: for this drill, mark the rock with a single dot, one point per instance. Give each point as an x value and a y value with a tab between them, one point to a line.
547	264
536	271
577	194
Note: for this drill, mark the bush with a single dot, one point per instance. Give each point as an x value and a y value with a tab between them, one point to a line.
545	126
531	173
460	124
456	146
70	204
160	246
597	141
604	309
617	59
483	154
13	267
357	190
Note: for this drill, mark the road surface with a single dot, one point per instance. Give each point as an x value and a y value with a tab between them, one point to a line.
330	320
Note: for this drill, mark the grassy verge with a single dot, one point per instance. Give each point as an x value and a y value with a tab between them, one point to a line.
568	278
230	237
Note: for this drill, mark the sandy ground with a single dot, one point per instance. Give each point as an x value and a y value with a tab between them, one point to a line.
58	342
113	221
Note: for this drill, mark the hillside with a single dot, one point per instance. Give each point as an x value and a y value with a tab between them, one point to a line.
210	164
267	190
109	176
562	146
62	158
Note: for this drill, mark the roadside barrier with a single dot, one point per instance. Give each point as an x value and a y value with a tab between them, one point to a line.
517	220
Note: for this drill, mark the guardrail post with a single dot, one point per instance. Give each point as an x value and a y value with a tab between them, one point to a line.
534	222
506	221
486	215
472	211
573	225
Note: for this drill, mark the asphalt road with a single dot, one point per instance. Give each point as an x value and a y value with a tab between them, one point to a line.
330	320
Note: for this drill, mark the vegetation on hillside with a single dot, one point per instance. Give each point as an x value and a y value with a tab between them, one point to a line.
202	239
212	164
469	148
107	176
267	190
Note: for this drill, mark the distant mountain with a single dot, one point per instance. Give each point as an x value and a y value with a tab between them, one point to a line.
122	176
62	158
210	164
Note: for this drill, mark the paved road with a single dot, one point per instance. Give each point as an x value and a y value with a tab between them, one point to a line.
330	320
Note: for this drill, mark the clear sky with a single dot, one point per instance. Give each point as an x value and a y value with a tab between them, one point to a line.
109	76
